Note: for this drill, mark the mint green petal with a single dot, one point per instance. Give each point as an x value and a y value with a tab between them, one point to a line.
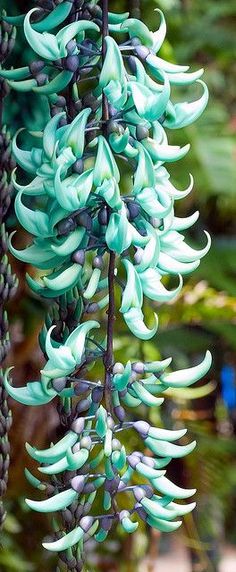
22	394
52	504
172	266
55	452
66	541
132	295
156	510
151	252
110	191
14	20
145	175
119	142
158	64
45	45
38	254
134	321
24	85
128	525
149	200
70	243
153	287
116	93
187	113
73	192
166	434
16	74
34	188
165	449
117	18
186	377
71	31
105	166
101	423
34	482
56	85
92	285
54	18
185	78
23	158
36	222
50	135
146	397
76	339
63	279
150	105
166	487
116	71
138	29
130	400
185	222
118	234
75	133
180	250
121	380
158	37
165	153
163	525
60	357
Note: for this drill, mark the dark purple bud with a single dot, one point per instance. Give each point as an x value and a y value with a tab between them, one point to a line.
61	101
120	413
72	63
98	262
112	485
71	46
86	523
77	483
36	66
142	132
66	226
134	210
92	308
142	427
84	219
103	216
79	257
41	78
97	394
59	384
81	388
138	255
106	523
110	422
67	516
78	425
78	105
78	166
83	405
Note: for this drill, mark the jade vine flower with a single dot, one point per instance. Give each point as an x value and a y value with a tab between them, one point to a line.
79	215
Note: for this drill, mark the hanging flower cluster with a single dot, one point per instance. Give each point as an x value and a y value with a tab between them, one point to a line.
8	281
111	104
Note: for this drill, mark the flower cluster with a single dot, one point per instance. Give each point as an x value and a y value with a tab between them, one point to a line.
80	215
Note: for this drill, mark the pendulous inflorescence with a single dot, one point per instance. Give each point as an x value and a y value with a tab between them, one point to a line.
110	102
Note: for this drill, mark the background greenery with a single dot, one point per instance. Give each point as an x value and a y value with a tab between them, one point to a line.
202	34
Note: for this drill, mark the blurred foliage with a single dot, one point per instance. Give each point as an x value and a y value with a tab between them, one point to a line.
202	34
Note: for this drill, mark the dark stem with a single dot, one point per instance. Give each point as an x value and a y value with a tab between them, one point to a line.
108	358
